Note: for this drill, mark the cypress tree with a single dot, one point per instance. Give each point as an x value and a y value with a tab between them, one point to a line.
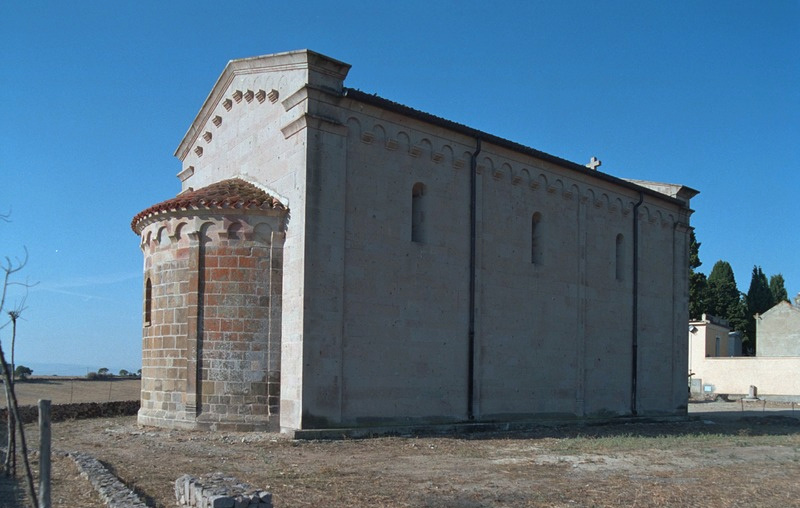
777	288
722	297
724	300
759	300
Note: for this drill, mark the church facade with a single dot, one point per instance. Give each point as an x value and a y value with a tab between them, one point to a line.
335	259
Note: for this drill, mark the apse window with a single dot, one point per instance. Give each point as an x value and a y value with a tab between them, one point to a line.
148	301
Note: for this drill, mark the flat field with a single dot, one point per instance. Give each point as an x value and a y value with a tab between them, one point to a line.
727	455
66	390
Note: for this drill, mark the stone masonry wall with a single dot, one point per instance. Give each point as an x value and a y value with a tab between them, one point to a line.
164	356
211	345
77	411
240	364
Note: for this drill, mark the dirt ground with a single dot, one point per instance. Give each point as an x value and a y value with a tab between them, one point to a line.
726	456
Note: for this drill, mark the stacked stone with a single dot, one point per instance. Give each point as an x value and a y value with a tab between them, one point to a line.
112	491
219	491
76	411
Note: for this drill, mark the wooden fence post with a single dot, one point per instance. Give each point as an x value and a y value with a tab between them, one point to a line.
44	453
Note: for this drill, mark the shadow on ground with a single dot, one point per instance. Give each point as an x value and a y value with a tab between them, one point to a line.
12	494
717	418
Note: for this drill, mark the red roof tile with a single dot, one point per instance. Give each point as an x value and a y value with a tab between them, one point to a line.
227	194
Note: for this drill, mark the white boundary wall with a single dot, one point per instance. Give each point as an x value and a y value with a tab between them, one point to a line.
776	376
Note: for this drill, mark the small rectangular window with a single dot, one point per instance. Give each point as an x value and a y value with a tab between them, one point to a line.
148	301
418	205
536	239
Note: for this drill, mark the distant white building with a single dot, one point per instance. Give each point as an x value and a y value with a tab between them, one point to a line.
778	330
716	367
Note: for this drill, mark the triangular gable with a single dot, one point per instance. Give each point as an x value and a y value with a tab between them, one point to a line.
313	68
783	307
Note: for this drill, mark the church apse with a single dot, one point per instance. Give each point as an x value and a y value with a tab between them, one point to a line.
213	263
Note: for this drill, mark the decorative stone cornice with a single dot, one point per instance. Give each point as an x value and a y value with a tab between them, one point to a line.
313	122
186	173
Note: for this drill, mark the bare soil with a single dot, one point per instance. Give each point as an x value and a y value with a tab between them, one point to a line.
724	457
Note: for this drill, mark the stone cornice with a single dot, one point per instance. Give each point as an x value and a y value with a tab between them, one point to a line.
313	122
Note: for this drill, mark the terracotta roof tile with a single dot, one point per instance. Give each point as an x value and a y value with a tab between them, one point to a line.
227	194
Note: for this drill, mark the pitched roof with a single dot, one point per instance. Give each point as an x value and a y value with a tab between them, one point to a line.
680	196
227	194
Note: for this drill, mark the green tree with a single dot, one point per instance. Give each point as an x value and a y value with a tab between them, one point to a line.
124	373
697	280
759	300
722	297
22	372
737	320
102	372
777	288
724	300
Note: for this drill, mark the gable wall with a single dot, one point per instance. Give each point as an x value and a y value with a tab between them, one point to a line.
778	331
265	142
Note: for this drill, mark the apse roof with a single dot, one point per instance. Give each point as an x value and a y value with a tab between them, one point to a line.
234	193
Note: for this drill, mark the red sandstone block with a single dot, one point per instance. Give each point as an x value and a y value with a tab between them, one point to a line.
223	251
228	262
213	325
213	336
247	262
238	275
218	274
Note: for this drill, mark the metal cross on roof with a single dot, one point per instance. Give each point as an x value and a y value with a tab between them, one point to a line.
594	163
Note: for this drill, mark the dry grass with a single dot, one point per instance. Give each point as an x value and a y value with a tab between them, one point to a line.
727	458
65	390
730	463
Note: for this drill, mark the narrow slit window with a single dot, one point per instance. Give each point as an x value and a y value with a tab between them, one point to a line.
620	257
148	301
418	209
536	239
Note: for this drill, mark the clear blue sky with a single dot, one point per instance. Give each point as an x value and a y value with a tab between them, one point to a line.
97	95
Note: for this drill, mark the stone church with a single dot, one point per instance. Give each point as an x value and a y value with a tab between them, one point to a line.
338	260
